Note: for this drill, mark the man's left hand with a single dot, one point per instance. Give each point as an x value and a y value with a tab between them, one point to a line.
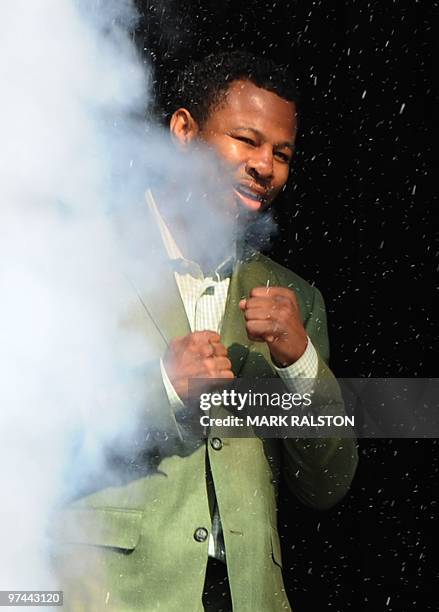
272	315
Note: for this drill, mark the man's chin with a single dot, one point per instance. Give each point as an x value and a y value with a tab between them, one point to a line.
255	227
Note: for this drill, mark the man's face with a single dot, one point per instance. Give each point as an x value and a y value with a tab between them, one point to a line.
253	131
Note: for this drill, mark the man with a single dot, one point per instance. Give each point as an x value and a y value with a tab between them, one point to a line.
193	526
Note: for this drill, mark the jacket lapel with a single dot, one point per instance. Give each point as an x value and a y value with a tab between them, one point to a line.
154	284
247	274
233	332
161	302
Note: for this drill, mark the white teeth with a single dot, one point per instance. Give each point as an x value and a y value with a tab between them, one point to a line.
249	194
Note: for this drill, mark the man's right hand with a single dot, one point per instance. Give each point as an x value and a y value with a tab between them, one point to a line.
197	355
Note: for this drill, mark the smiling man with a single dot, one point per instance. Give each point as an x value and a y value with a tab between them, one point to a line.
193	525
253	130
245	109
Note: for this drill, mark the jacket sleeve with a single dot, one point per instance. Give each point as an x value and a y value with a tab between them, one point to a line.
319	471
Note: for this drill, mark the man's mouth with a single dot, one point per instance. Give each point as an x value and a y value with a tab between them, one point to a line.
249	198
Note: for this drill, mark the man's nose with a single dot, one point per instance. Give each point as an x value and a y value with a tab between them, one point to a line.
260	162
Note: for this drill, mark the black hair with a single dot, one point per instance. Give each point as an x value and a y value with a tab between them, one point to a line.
201	85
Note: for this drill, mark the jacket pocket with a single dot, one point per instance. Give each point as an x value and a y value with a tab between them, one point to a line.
108	527
275	547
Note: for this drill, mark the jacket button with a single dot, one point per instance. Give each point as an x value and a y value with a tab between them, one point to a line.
216	443
201	534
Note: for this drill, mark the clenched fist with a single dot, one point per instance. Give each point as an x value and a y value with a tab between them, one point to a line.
272	315
196	355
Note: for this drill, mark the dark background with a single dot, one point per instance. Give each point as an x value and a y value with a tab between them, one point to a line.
358	220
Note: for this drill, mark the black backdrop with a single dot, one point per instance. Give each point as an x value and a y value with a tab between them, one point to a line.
357	220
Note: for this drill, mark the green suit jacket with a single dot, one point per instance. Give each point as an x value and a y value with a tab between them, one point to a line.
130	545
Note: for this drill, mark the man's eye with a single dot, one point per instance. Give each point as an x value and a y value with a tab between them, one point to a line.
283	157
248	141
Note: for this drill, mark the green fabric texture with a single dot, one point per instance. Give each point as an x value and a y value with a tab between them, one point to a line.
130	546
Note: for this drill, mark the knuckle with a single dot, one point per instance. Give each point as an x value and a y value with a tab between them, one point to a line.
210	365
249	326
192	340
224	364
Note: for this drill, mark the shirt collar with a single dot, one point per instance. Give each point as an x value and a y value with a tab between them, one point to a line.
179	263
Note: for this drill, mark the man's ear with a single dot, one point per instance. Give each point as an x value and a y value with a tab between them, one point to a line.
183	127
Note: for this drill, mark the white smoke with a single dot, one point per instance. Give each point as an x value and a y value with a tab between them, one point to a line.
74	164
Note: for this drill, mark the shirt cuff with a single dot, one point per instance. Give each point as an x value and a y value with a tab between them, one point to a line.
173	397
306	368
